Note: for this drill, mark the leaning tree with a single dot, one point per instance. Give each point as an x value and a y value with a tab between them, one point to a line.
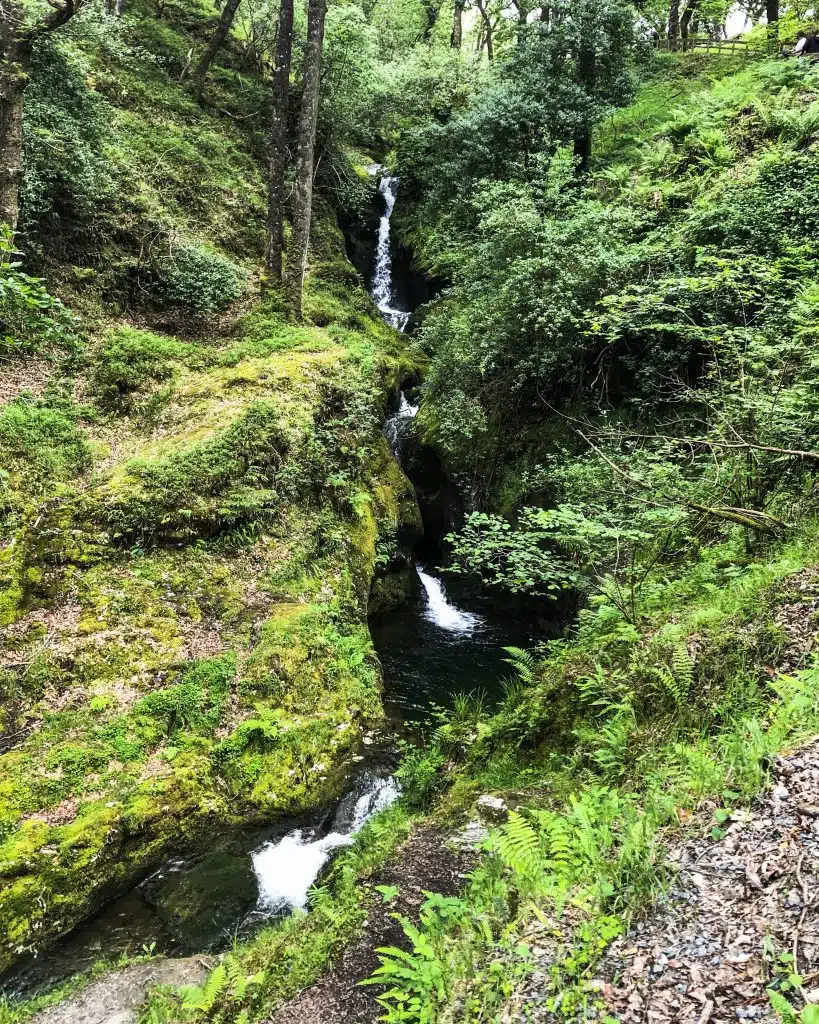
19	32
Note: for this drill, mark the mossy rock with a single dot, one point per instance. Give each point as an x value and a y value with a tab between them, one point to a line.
392	591
198	907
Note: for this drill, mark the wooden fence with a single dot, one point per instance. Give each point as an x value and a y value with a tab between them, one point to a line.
704	44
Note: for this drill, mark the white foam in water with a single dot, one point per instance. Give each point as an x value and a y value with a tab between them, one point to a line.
286	868
440	611
397	423
382	278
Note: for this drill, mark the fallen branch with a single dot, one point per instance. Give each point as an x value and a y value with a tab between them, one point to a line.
753	519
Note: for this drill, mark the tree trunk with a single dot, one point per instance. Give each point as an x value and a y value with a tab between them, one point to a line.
673	23
277	140
303	207
545	15
216	40
487	21
685	21
772	17
12	86
457	24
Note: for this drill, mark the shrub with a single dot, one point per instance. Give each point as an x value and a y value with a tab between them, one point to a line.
39	441
130	361
31	320
197	277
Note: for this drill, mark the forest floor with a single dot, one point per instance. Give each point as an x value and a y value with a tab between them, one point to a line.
424	862
740	917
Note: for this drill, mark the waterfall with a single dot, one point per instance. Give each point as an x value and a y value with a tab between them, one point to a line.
286	868
382	291
398	423
440	611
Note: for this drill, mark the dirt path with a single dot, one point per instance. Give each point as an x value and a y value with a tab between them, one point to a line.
742	912
741	902
116	998
422	863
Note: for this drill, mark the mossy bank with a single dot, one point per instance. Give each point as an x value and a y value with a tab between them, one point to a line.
186	642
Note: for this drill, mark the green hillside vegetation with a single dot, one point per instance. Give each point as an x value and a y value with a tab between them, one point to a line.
190	525
200	510
692	234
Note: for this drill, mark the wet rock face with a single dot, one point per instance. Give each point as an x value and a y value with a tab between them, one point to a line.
393	590
198	906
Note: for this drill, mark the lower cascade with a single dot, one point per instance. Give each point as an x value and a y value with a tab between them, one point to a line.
286	868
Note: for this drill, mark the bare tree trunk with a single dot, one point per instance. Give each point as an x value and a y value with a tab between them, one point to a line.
673	23
489	27
12	86
772	17
685	21
303	207
277	140
457	24
216	40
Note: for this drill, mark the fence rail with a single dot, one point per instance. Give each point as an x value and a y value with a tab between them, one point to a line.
705	44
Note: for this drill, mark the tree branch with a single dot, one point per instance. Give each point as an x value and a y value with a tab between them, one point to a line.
61	13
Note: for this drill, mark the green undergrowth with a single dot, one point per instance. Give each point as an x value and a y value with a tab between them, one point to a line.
195	494
186	563
258	976
607	745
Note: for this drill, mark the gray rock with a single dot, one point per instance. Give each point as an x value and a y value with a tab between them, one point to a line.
491	807
117	997
472	834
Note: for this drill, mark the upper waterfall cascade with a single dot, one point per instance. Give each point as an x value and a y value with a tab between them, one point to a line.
382	286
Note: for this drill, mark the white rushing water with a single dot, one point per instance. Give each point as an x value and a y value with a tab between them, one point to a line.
382	291
396	424
440	611
286	868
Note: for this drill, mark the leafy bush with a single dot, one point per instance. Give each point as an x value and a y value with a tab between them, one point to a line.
40	442
31	320
197	277
130	360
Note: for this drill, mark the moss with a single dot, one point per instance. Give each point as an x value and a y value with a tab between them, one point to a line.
271	476
201	575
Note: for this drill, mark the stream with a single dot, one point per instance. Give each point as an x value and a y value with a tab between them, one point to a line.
447	636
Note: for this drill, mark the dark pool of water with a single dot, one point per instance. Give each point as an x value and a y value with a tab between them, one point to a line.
451	640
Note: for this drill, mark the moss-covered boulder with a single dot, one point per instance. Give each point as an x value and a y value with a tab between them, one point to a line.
200	905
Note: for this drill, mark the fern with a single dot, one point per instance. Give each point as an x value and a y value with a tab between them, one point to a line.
204	999
519	845
523	662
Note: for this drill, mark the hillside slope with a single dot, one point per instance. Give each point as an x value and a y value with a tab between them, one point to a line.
190	527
